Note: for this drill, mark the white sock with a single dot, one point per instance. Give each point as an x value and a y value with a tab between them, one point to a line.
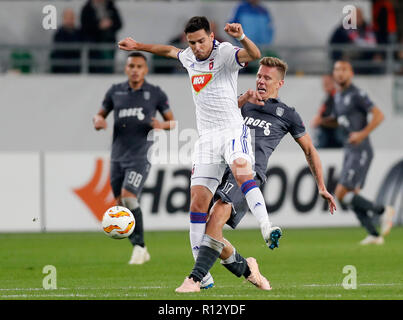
196	235
257	205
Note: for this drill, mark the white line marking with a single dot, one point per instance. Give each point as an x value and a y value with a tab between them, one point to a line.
358	284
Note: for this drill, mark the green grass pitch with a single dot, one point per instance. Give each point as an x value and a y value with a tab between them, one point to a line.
308	265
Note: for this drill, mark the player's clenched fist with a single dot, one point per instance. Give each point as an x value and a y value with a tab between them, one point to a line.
128	44
234	29
99	122
254	97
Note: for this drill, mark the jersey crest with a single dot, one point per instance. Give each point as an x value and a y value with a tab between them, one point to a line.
147	95
279	111
199	81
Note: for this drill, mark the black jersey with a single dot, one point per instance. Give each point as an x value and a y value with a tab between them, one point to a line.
351	110
133	110
268	125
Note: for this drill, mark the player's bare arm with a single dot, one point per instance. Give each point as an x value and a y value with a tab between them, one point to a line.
329	122
251	96
129	44
358	136
99	120
250	51
167	124
312	157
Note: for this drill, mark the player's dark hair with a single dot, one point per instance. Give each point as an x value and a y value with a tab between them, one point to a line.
197	23
137	54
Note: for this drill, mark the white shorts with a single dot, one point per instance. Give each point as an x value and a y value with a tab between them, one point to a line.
214	151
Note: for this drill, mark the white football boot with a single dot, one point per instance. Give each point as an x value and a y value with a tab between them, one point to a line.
271	235
207	282
370	239
140	255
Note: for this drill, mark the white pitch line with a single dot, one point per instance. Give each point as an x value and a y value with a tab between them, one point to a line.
358	284
74	295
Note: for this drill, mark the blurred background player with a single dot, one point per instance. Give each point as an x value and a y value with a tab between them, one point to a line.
352	106
326	137
213	70
135	103
270	120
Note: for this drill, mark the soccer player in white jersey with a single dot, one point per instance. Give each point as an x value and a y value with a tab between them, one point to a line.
223	138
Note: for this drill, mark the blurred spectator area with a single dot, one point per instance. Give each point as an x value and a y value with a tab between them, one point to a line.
302	32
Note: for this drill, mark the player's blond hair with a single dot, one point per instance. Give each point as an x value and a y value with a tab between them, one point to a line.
279	64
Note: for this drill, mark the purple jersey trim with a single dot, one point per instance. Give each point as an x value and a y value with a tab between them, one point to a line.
236	58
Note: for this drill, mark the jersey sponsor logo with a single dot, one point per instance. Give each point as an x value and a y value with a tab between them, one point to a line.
132	112
211	64
97	192
252	122
147	95
343	121
199	81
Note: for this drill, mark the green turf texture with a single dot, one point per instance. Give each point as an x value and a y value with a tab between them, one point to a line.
308	265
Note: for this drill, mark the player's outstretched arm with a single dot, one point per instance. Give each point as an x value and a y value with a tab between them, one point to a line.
129	44
99	120
250	51
312	157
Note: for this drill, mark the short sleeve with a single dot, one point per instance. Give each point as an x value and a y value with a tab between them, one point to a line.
163	104
107	103
229	54
297	127
363	102
182	56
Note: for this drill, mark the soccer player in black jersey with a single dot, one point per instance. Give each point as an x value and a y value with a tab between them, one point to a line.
134	103
351	110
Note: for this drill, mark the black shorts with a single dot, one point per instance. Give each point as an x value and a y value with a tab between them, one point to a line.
356	164
129	176
229	192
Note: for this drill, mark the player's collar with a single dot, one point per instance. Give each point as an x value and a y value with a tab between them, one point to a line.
212	49
273	100
143	86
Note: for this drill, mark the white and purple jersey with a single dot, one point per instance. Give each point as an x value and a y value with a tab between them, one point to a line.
214	87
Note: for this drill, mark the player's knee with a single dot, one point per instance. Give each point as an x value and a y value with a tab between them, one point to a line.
241	170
